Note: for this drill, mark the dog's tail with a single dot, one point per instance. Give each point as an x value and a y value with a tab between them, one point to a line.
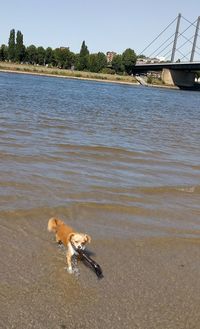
53	223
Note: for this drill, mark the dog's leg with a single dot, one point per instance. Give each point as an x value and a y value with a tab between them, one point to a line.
58	240
69	262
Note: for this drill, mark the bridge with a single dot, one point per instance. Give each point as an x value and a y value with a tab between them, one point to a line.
179	73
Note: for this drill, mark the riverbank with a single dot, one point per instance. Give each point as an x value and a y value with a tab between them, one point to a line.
80	75
55	72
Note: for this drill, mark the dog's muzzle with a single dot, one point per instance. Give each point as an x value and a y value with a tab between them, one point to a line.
81	247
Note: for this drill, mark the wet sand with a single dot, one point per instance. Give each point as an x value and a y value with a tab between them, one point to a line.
148	282
119	163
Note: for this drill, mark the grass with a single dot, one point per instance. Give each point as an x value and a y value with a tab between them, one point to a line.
26	68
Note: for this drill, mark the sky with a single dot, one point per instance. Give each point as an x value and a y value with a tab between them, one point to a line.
105	25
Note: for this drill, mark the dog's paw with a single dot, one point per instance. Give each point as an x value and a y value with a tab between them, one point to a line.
69	270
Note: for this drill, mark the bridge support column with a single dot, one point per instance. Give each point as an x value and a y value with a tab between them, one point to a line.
178	78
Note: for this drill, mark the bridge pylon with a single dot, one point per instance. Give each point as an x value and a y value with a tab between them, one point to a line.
175	38
195	40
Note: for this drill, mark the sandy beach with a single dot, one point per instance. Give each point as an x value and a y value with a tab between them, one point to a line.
148	282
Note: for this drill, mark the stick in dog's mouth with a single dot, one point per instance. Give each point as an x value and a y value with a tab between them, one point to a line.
96	267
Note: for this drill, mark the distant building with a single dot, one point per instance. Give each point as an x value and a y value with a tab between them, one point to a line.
147	60
141	60
64	48
161	59
110	55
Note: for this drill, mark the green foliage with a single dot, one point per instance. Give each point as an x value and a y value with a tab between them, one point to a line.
97	62
49	56
117	64
154	80
31	54
63	58
129	58
83	60
19	48
141	56
3	53
150	79
41	56
107	70
11	46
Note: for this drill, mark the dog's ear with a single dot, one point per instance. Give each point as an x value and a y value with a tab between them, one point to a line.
88	238
71	235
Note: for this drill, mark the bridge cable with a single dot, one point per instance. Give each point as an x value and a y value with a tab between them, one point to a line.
187	28
184	56
161	45
165	48
158	36
189	40
191	23
168	53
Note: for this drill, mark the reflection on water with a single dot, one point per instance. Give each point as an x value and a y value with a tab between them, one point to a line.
111	154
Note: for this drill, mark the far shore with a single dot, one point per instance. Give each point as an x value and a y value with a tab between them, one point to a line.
62	73
81	75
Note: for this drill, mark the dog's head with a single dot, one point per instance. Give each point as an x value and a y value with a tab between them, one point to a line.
79	240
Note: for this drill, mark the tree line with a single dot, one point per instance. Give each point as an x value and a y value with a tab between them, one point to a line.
63	58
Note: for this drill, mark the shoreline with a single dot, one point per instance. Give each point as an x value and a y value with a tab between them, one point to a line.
105	78
68	77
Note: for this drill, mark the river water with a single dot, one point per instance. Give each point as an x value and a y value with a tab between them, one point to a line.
122	160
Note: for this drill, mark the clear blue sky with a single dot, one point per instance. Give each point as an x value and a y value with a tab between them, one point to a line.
103	24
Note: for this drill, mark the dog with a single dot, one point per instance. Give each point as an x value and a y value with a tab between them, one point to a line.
67	236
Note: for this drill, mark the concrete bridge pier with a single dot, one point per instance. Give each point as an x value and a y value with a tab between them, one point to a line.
178	78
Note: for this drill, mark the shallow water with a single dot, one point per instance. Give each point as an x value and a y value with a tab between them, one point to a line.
119	159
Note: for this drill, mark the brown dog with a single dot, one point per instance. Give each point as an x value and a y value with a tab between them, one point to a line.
67	236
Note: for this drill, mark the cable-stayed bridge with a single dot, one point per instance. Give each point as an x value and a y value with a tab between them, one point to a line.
177	55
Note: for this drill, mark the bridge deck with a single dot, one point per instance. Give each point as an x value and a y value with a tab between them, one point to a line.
184	66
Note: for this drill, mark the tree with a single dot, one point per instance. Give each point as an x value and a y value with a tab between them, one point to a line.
117	64
31	54
129	59
97	62
49	56
19	48
63	57
41	55
75	61
83	62
3	53
11	46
